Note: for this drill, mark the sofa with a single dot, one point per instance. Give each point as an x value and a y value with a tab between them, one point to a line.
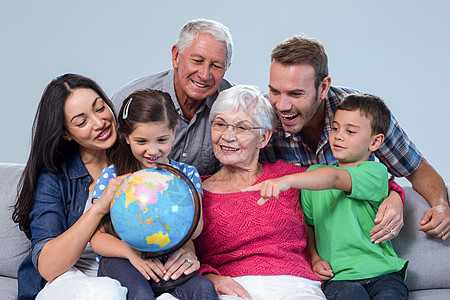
429	258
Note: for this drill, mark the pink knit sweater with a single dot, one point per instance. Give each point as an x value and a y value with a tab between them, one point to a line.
240	237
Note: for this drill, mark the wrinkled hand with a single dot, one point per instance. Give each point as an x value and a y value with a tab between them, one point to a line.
180	262
389	219
269	189
436	221
149	268
226	285
104	202
323	269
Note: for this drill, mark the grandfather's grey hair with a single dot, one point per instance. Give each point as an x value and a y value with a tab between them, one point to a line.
190	31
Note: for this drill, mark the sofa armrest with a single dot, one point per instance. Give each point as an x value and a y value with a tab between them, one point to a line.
429	258
15	245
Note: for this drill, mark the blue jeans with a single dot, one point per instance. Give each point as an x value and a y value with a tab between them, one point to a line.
197	287
385	287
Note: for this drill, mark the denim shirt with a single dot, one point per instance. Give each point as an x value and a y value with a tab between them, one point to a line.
59	202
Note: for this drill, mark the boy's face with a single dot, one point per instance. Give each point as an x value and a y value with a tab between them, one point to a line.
351	138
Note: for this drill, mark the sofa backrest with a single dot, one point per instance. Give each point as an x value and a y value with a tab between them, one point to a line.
429	258
14	245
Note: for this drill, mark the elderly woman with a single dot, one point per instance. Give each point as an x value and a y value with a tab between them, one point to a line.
247	250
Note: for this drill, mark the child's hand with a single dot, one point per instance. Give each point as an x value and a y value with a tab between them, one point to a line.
323	269
149	268
269	188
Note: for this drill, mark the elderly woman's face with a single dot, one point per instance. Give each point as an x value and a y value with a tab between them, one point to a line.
238	145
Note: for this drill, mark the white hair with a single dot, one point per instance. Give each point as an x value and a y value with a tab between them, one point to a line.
193	28
250	99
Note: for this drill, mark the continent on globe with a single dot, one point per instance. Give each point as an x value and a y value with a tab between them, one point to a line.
159	239
144	190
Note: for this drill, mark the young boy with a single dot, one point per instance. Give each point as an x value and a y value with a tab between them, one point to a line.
340	204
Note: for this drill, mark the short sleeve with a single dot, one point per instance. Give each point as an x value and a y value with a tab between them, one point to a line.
369	181
103	180
194	176
306	206
306	201
192	173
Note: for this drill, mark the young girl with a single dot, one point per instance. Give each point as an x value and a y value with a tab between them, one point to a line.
147	124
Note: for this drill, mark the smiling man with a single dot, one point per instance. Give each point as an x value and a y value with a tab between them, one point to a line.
301	93
200	58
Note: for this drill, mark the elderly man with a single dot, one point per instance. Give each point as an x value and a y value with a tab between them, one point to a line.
200	58
300	91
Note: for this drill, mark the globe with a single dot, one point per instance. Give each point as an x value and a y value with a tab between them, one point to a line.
156	210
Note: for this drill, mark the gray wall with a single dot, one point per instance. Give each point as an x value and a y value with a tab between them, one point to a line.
397	50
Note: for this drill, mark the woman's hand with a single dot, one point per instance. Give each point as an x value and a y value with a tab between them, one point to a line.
104	202
226	285
323	269
389	219
182	261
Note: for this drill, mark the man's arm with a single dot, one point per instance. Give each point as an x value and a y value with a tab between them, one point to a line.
389	217
428	183
403	158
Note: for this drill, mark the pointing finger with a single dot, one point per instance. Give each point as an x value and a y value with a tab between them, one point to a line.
252	188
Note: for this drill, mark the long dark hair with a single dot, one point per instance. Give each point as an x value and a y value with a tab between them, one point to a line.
142	106
48	148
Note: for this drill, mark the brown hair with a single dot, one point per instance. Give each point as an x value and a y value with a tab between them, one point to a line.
372	108
302	49
142	106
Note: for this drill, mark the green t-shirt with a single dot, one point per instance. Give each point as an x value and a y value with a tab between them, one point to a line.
342	222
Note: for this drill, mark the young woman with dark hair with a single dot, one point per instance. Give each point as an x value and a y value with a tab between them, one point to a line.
73	129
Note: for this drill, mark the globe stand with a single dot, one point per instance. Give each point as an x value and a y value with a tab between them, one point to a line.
164	286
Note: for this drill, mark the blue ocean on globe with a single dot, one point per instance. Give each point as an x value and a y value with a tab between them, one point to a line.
153	210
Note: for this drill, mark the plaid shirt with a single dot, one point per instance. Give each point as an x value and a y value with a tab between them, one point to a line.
397	152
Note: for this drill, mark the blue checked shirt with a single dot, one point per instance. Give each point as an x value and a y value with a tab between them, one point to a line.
397	152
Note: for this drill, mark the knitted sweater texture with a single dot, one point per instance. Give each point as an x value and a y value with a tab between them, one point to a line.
241	238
